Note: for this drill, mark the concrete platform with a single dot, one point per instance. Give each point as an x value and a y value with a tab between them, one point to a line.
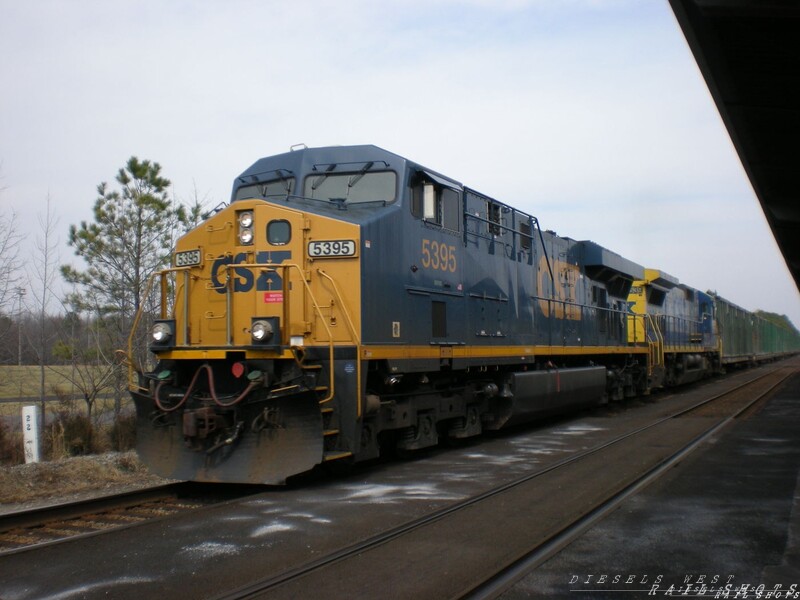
723	523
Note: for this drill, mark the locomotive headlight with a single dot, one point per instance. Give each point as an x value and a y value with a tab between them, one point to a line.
261	331
245	236
246	219
245	228
162	333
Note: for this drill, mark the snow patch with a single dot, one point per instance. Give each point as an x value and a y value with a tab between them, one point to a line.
388	494
276	527
210	550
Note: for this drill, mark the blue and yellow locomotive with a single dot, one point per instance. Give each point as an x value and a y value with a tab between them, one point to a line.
349	300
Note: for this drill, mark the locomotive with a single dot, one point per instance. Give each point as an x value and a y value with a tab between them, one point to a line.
349	301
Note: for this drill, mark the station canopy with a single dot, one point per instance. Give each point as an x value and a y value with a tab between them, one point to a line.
749	53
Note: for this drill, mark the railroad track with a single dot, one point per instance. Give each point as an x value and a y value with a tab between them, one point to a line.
441	548
506	577
26	530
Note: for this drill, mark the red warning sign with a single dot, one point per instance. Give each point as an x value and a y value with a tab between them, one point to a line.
273	297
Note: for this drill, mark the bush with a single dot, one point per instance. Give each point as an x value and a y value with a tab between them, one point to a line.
78	434
11	450
70	433
122	433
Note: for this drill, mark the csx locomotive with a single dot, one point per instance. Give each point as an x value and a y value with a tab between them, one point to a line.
349	300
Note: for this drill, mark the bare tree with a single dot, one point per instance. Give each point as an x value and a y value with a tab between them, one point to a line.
92	373
10	239
10	268
42	274
195	208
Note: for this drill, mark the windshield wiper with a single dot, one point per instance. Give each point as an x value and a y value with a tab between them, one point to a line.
286	182
356	178
321	178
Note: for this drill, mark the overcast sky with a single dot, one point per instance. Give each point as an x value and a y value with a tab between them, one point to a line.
590	114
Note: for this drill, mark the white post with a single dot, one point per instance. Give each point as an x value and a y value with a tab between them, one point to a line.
30	431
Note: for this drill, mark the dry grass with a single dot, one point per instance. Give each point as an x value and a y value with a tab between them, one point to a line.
25	381
80	475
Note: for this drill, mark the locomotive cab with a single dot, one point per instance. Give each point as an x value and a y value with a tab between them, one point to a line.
265	303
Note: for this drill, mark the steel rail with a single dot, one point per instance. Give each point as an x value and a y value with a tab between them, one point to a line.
265	584
15	524
506	578
35	524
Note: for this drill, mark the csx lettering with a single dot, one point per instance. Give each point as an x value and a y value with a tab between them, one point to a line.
557	297
438	256
244	277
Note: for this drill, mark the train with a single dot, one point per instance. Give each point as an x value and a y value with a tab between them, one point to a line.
348	302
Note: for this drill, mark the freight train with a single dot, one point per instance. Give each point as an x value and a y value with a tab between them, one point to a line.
349	301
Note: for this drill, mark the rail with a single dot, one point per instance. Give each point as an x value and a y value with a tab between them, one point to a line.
284	268
355	335
683	333
44	526
656	347
41	527
464	515
591	325
509	575
286	339
345	312
133	367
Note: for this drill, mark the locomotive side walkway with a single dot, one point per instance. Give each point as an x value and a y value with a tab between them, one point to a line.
723	522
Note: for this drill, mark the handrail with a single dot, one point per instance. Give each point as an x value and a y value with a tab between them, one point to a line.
537	225
684	332
161	275
345	312
134	326
284	267
265	266
353	332
659	344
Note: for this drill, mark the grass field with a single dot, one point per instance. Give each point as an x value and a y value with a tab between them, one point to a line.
65	429
23	383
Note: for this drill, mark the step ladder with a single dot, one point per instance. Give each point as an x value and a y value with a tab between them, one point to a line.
330	426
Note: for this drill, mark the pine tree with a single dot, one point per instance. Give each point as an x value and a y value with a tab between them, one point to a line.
131	238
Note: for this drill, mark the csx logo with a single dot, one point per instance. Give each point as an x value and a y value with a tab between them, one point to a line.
243	277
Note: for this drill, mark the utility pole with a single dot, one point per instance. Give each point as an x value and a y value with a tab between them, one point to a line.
21	291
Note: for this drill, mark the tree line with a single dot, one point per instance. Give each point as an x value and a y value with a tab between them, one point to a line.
135	223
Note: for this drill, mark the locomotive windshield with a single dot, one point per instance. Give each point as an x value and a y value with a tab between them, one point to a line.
352	188
277	188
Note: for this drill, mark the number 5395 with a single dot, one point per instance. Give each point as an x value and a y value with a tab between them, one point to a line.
438	256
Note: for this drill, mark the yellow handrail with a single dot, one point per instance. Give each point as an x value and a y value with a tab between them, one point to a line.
284	267
345	312
353	333
132	367
659	343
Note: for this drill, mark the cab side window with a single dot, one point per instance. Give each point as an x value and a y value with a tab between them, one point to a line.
437	205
